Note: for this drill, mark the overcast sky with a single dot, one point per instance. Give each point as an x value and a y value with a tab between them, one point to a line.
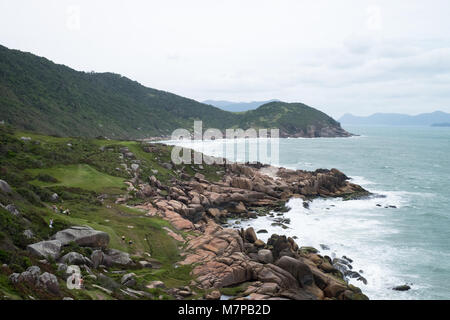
339	56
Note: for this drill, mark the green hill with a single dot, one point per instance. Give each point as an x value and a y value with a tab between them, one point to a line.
39	95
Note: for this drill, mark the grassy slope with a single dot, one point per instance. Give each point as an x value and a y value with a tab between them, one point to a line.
83	171
38	95
81	176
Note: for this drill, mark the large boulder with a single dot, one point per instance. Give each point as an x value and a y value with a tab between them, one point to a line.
250	235
45	249
97	258
74	258
30	275
49	282
83	236
298	269
282	246
265	256
242	183
4	187
115	257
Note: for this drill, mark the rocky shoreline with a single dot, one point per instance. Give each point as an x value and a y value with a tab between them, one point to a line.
196	203
223	257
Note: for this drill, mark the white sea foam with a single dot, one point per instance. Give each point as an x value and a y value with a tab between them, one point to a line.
355	228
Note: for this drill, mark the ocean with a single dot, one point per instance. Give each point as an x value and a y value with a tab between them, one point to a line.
399	236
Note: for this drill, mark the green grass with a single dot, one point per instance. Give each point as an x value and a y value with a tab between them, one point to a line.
80	176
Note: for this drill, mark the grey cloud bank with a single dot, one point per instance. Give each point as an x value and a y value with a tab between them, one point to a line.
359	57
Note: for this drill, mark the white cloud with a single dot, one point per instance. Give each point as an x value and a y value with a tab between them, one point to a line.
341	56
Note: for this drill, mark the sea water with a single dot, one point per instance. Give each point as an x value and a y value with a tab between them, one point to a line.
401	235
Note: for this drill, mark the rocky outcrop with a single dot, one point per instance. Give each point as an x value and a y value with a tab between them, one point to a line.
33	277
227	257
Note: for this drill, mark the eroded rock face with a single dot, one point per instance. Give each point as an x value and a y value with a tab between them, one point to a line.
83	236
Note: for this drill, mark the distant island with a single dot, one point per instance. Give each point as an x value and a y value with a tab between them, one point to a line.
444	124
237	106
397	119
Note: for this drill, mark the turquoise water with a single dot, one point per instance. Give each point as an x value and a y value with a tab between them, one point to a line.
409	167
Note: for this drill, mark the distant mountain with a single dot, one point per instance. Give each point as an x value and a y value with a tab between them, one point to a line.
237	106
396	119
39	95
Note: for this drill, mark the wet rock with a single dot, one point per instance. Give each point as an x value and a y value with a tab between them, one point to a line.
404	287
250	235
362	279
259	243
298	269
282	246
262	231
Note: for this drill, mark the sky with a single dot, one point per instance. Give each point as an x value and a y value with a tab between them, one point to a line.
347	56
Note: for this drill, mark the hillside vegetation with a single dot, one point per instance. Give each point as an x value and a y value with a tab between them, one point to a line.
39	95
88	175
